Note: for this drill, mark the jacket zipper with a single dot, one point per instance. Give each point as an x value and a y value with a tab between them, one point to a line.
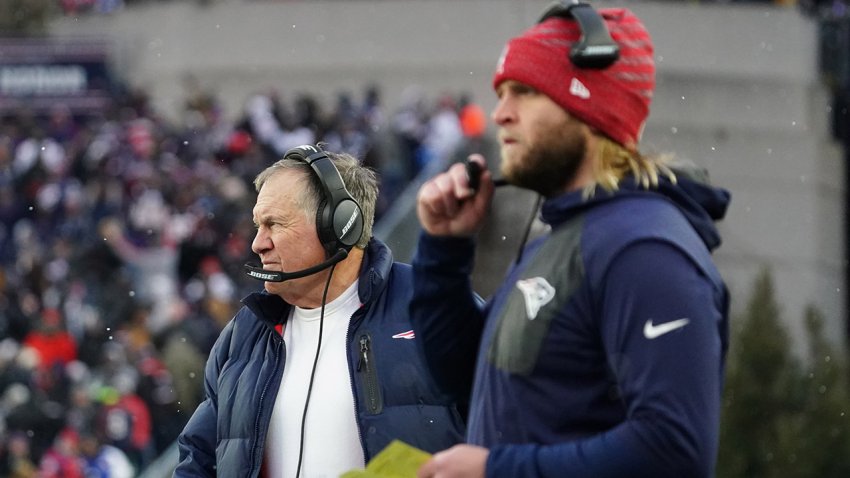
354	395
278	341
353	324
366	366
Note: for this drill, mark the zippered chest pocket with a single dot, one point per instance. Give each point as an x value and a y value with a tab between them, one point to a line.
368	375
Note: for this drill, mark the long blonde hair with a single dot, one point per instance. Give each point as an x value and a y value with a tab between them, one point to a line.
613	162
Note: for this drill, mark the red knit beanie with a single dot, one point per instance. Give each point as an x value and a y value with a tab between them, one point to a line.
614	100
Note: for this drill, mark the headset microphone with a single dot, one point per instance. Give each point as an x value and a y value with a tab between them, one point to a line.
275	276
473	174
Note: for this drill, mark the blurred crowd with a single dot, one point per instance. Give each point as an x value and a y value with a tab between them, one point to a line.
122	240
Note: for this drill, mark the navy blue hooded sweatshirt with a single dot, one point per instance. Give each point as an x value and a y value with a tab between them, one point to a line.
602	353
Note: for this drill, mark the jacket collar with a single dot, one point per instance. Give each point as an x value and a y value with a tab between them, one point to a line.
375	270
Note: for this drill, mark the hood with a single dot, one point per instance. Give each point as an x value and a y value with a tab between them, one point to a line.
700	202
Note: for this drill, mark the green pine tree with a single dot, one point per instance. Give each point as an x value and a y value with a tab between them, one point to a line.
815	437
783	417
759	373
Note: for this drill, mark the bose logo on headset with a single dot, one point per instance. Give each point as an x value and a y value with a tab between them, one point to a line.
350	222
260	275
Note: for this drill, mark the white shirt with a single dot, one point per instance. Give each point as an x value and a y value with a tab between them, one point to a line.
331	435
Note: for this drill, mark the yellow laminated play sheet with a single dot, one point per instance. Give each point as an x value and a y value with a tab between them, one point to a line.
397	460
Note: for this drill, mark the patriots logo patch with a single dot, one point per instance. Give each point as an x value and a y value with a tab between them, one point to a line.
405	335
537	292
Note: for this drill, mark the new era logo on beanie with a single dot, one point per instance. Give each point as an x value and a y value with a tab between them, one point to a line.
578	89
614	100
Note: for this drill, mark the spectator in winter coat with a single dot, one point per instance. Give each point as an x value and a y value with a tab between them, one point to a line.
51	341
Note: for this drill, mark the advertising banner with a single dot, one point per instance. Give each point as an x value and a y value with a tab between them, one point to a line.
38	73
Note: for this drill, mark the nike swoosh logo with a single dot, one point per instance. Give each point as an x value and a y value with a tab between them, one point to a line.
651	331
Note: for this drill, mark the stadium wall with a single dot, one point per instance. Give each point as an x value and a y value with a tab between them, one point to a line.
738	92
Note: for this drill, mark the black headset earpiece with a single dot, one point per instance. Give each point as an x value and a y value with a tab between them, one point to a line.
339	219
595	49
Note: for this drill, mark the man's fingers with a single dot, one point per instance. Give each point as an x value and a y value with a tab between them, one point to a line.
447	206
439	195
460	181
427	470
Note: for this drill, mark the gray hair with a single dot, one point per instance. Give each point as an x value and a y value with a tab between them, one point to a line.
360	181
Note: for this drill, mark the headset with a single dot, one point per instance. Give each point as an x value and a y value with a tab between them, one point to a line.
339	218
595	49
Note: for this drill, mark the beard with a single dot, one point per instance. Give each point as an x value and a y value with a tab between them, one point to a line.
550	164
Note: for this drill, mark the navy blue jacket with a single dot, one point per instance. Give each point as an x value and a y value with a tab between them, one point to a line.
602	353
395	395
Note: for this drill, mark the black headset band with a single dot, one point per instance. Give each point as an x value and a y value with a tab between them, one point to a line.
339	218
331	180
595	49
